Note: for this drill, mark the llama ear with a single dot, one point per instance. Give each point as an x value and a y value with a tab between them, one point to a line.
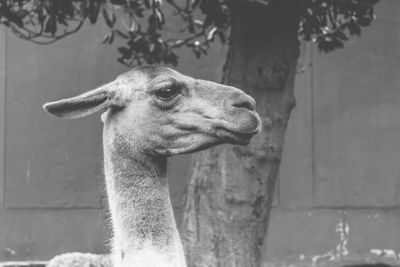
84	104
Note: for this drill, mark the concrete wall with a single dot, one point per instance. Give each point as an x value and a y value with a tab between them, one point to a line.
339	183
339	189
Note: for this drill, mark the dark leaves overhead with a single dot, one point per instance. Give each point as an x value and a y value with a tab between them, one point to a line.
329	23
140	24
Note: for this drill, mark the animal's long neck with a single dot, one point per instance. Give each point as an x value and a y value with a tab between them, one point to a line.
145	232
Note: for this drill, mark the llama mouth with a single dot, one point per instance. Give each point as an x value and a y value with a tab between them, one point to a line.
235	137
239	133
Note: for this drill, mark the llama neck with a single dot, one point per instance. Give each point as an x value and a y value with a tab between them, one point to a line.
145	232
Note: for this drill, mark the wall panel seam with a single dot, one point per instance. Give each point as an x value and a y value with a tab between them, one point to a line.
3	86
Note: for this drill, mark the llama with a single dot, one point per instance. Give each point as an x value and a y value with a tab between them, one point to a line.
153	112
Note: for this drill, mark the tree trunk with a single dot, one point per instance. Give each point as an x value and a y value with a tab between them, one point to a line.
230	192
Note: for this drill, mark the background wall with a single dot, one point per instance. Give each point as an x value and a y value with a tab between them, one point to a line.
339	189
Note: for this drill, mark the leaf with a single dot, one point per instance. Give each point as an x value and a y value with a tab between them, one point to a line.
354	28
169	57
153	24
204	50
341	35
197	51
195	3
111	40
211	33
106	38
51	25
370	2
124	51
191	27
12	17
207	22
94	10
66	7
121	34
109	21
364	21
61	20
147	4
329	43
118	2
222	36
122	61
41	16
159	18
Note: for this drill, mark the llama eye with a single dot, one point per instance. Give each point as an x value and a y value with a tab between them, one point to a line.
167	93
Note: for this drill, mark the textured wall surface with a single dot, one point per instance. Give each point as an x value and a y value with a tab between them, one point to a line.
338	195
339	182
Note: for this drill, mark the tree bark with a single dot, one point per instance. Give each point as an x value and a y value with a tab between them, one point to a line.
230	191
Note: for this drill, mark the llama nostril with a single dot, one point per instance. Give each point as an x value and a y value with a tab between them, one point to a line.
246	102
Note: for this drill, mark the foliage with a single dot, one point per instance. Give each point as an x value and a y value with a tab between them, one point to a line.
141	23
330	22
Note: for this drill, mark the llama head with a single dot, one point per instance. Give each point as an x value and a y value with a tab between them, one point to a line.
161	111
